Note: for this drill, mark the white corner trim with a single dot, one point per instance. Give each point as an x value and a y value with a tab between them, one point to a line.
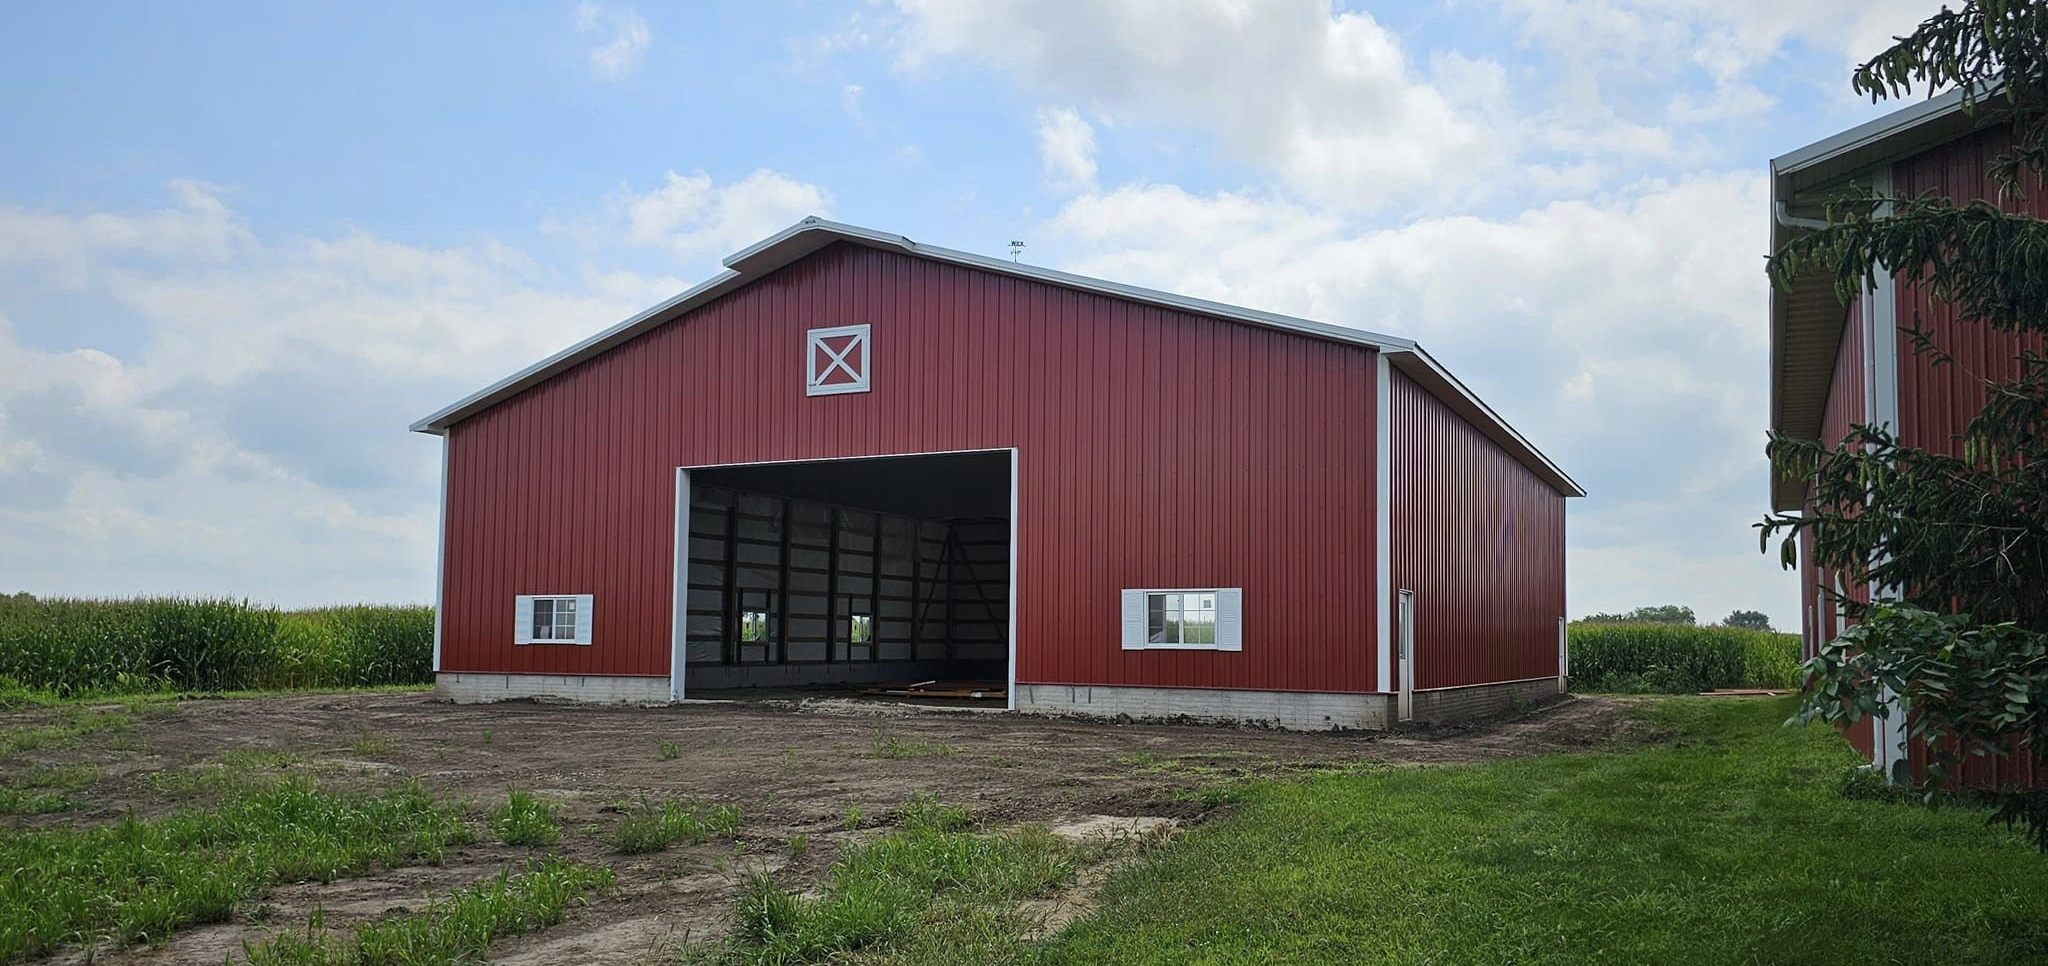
441	555
1383	517
679	593
1880	319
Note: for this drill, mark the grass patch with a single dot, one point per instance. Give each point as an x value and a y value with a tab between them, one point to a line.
915	889
71	724
668	751
887	745
142	880
653	826
454	929
40	790
1735	844
1638	658
18	801
526	820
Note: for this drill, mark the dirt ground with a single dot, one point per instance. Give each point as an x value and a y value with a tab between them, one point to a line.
793	768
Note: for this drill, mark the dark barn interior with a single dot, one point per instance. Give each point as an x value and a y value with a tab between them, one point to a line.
873	572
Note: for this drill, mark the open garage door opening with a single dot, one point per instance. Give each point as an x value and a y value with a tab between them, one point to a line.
878	574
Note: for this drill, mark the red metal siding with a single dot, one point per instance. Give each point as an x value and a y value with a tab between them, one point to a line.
1480	540
1936	402
1844	409
1156	448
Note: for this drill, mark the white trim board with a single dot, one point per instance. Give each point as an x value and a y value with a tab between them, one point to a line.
441	556
679	550
811	234
1383	517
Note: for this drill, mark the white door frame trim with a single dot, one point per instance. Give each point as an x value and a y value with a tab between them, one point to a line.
680	556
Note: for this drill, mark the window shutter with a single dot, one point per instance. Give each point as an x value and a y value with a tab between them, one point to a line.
1134	620
1230	619
583	602
522	620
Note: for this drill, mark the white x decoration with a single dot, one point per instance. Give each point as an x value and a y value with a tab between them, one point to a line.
824	365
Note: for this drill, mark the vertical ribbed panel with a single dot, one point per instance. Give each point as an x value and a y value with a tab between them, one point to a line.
1480	540
1937	402
1156	448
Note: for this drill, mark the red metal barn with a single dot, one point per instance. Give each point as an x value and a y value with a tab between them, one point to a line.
854	459
1834	366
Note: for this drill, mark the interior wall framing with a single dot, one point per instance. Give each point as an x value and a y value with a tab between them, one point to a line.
936	591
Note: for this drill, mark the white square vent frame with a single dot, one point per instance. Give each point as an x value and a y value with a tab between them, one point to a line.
837	360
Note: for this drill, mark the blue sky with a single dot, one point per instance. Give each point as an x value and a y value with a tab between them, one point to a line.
241	246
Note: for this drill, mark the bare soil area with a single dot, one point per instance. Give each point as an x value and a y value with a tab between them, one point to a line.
794	768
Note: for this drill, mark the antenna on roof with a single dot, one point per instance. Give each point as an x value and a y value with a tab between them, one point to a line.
1016	248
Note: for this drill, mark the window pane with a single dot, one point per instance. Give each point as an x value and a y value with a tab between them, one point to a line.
1201	619
1155	618
753	626
863	629
565	619
543	618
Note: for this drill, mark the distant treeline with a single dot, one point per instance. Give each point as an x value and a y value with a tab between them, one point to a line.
1672	658
72	646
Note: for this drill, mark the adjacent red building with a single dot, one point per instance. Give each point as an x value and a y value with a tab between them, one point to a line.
854	459
1835	365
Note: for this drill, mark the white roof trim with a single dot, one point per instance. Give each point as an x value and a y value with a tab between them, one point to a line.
1869	133
811	234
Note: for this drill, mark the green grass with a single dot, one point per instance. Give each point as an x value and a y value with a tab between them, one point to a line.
144	879
668	751
1735	845
41	790
451	930
71	723
935	887
62	647
526	820
1640	658
887	745
653	826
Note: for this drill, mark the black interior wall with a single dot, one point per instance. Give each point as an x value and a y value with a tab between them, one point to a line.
930	564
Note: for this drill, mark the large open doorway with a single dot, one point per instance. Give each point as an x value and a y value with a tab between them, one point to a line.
879	573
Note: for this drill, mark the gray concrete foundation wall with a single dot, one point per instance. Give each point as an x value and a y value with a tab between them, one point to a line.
474	687
1479	701
1296	710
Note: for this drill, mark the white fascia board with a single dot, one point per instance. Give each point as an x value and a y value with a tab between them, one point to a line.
1870	134
1438	381
439	421
811	234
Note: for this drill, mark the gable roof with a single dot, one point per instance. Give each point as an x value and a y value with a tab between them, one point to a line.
812	234
1806	317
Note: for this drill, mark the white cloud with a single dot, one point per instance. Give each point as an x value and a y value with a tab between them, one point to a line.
1328	101
252	439
1629	55
1066	150
1724	38
622	37
691	215
1623	334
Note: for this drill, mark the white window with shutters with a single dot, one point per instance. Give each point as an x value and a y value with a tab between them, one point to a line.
1184	619
552	618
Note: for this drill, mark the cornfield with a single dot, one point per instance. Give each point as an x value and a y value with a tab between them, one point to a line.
77	646
1679	658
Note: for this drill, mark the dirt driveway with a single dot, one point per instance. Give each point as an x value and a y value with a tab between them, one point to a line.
793	769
